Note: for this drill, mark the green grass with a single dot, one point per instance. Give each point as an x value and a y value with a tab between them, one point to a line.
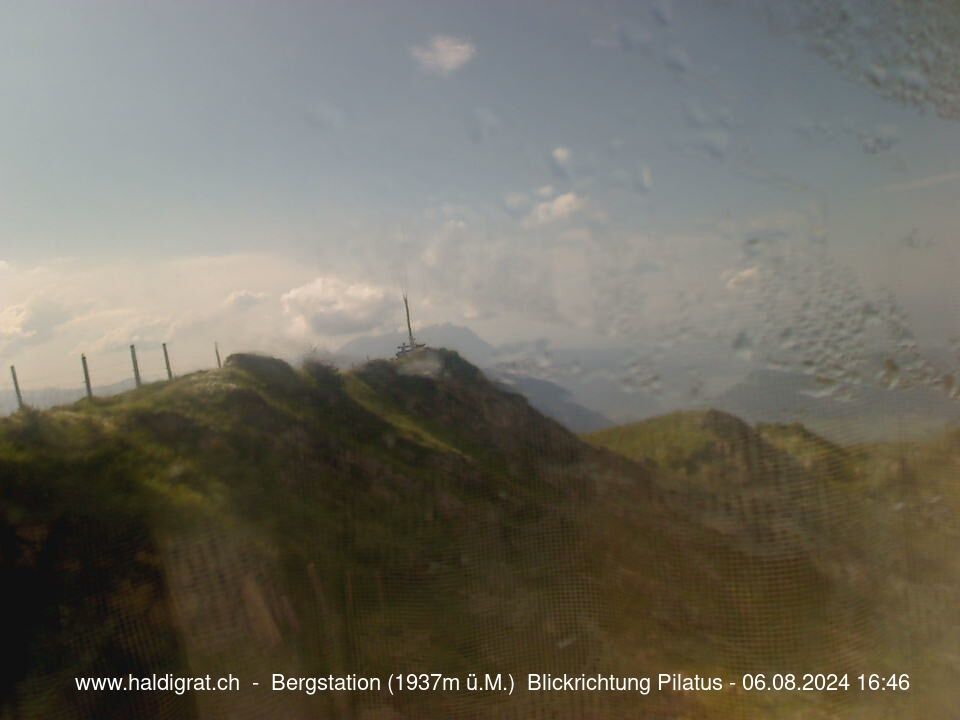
404	423
337	507
669	441
264	519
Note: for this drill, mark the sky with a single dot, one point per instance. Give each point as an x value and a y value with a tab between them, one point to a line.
655	175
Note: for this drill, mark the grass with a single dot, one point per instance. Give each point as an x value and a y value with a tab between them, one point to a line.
668	441
263	519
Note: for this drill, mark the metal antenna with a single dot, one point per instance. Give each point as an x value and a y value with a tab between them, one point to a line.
406	306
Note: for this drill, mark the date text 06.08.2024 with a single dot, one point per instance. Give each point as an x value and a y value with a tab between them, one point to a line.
826	682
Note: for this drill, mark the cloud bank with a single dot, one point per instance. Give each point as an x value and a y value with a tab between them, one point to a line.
444	54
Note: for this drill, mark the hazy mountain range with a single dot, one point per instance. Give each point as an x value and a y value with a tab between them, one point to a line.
52	397
588	389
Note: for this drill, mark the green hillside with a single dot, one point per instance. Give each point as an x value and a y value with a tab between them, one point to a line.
411	516
259	519
876	523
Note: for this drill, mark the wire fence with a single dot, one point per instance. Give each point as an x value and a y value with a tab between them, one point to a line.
102	374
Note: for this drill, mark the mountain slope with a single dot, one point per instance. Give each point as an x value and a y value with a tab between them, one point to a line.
555	402
408	516
858	539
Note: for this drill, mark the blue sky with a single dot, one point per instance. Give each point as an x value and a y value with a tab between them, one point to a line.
269	173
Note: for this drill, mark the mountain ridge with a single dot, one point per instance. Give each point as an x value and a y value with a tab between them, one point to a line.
408	515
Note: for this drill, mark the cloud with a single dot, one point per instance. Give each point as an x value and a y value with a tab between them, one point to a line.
444	54
331	306
516	204
31	322
135	328
12	320
550	211
560	162
243	299
51	313
743	278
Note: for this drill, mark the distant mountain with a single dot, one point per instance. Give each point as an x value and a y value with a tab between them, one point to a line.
715	446
560	397
45	398
555	402
871	413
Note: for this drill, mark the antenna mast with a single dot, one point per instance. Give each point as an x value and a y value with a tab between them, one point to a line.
412	344
406	306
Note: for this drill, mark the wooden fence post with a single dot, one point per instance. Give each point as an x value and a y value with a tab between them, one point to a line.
166	360
136	366
16	387
216	349
86	376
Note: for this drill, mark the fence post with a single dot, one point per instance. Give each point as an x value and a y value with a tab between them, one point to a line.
216	349
86	376
166	360
136	366
16	387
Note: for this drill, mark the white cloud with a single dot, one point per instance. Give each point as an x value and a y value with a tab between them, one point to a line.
12	321
136	328
444	54
242	299
32	321
51	313
550	211
545	191
331	306
516	204
560	162
743	278
454	225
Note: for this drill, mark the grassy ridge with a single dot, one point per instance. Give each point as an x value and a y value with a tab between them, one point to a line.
409	516
262	519
848	552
